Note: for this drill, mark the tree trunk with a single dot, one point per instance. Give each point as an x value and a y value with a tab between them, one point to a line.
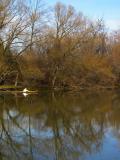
53	81
16	80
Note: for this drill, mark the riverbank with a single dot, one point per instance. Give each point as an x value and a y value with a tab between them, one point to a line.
73	88
10	88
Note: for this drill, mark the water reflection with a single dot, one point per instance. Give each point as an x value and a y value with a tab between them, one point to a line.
60	127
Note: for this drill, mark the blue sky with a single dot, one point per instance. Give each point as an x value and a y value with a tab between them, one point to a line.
109	10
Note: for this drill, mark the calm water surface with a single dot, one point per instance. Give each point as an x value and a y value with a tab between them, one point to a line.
81	126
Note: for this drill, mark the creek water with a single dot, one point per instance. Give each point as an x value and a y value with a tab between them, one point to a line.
60	126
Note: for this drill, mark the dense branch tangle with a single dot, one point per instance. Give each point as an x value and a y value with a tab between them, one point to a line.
57	48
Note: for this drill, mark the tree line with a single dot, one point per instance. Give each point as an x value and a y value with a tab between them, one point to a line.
55	47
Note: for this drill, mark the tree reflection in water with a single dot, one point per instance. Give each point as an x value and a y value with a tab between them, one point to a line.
60	127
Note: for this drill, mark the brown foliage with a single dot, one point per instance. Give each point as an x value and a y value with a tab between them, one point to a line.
67	51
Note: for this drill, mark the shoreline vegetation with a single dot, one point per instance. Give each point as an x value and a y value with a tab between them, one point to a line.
19	89
59	49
